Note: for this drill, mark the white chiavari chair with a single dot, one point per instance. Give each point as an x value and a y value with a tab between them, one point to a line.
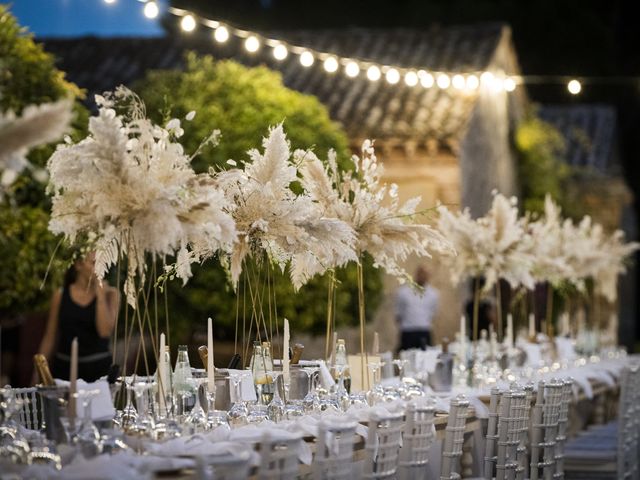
610	451
334	450
417	440
492	433
563	424
545	416
522	470
454	438
278	458
382	446
30	415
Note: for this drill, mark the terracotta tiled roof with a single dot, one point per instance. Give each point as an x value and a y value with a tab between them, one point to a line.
366	109
589	132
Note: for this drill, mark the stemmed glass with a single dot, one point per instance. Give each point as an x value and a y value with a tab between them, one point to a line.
401	364
88	436
129	412
197	417
13	446
239	411
276	407
143	424
342	396
376	394
311	401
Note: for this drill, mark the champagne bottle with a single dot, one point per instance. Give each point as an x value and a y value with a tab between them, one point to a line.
42	367
234	362
203	351
297	353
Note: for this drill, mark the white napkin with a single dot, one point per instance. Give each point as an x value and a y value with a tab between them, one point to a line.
253	434
101	405
534	355
566	350
122	466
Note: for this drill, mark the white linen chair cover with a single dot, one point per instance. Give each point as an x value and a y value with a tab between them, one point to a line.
417	439
30	415
334	450
382	446
278	458
454	438
545	429
225	467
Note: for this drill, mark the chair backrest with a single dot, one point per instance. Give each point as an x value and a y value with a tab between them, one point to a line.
30	415
492	433
334	451
383	443
278	458
522	470
417	438
454	438
628	422
225	467
544	429
563	425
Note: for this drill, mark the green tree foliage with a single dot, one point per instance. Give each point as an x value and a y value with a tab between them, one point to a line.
541	170
243	102
28	76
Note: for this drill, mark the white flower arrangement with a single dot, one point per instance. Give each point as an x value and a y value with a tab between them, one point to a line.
36	125
292	229
385	228
130	187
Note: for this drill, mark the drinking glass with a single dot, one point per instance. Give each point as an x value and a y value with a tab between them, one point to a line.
197	418
88	436
143	425
376	394
238	412
217	418
311	401
276	407
342	395
258	413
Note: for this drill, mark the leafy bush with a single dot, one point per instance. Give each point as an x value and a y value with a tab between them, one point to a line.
28	76
242	102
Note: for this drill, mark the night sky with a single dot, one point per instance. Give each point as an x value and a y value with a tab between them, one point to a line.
69	18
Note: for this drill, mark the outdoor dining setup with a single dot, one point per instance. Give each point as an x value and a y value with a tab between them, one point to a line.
501	403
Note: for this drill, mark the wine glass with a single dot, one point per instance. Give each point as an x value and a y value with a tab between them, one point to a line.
129	412
238	412
276	407
401	364
197	418
376	394
143	425
311	401
258	413
88	436
342	395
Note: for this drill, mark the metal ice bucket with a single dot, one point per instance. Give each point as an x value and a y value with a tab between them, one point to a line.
223	388
299	384
54	405
441	379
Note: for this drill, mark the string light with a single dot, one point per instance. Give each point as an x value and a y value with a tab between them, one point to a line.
280	52
574	86
392	76
373	73
252	44
306	58
469	81
330	64
443	81
109	2
221	34
458	82
411	79
151	9
352	69
188	23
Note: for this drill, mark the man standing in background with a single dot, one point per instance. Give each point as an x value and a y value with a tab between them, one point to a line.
415	310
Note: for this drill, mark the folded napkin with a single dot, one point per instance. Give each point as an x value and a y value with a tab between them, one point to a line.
253	434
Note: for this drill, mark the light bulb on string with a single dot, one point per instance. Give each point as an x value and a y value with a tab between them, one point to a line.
373	73
458	82
486	79
188	23
352	69
306	59
252	44
411	79
280	52
574	86
151	9
221	34
426	79
472	82
443	81
392	76
509	84
330	64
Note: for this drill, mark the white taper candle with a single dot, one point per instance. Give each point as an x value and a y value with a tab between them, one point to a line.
211	375
285	353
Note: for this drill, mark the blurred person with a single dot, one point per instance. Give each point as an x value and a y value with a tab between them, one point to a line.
85	309
415	311
486	310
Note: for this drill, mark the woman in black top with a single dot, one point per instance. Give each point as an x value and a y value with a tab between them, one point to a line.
85	309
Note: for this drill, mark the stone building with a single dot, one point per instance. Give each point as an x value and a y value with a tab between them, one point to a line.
449	145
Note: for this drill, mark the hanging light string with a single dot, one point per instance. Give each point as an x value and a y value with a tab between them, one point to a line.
354	67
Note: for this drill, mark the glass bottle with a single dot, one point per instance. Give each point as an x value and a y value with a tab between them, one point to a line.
261	375
182	377
268	358
342	365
